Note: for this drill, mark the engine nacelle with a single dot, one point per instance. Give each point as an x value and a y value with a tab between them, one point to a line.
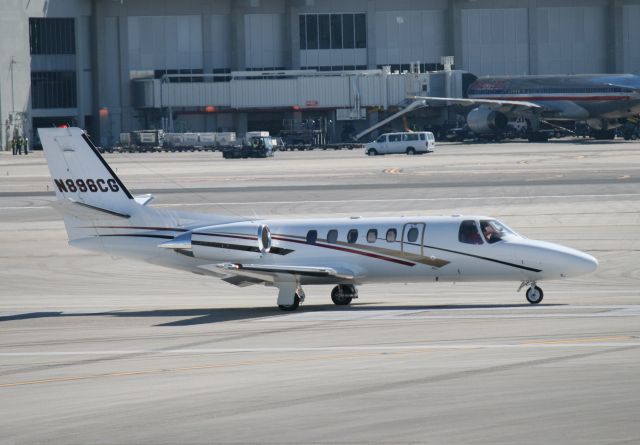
482	120
232	242
264	239
603	124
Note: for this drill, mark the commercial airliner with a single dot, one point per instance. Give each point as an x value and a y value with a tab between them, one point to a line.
101	214
600	100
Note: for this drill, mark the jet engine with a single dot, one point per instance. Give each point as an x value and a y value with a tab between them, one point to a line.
603	124
264	238
225	242
483	120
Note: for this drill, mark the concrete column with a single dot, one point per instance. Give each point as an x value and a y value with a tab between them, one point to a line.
532	18
291	40
371	31
238	57
125	123
94	25
240	124
456	31
615	38
210	122
207	40
450	31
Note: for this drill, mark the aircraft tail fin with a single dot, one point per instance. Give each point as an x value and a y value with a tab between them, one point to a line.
88	191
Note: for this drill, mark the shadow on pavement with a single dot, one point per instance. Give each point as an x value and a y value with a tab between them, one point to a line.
188	317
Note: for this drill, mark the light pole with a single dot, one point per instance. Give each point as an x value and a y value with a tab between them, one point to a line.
13	104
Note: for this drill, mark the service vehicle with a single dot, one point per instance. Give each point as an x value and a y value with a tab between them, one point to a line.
255	144
411	143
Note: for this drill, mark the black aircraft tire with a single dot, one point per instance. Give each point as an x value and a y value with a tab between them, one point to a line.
338	299
291	307
534	295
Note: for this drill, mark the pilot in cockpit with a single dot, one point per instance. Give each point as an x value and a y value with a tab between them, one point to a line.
490	233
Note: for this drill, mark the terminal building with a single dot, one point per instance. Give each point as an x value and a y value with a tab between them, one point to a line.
112	66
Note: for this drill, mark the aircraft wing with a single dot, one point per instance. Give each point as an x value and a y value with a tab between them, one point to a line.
248	274
504	106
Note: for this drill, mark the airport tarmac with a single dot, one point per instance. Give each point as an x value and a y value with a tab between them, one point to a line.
95	349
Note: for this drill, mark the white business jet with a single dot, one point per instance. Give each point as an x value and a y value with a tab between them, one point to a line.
100	214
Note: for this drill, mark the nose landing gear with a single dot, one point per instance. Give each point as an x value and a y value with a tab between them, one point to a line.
534	294
342	294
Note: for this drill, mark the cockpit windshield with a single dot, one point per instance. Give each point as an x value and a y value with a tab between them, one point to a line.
494	231
491	231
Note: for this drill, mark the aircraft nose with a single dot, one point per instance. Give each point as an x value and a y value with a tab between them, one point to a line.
579	263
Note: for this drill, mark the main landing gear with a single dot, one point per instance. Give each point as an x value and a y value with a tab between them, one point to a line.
291	295
534	294
342	294
290	304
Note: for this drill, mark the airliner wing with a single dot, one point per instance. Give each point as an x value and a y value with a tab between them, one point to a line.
247	274
504	106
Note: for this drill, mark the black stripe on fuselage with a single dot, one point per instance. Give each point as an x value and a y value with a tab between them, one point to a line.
493	260
273	250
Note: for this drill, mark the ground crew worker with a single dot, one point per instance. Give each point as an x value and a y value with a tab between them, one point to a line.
13	146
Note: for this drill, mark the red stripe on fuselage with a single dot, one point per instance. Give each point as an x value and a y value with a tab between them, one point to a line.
554	98
346	249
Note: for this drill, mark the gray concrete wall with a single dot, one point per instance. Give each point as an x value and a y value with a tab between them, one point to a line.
15	63
118	40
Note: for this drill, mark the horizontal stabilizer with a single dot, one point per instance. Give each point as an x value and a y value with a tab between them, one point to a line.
143	200
82	210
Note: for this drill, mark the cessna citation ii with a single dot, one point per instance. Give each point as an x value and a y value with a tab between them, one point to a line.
601	100
100	214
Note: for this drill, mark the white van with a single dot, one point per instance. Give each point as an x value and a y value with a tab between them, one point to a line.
411	143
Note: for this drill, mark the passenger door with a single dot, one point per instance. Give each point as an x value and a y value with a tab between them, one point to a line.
411	140
394	144
412	240
380	144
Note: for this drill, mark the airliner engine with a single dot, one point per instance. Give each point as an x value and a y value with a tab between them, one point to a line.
484	120
603	124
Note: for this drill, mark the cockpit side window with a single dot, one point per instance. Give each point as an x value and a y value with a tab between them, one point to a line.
469	233
491	231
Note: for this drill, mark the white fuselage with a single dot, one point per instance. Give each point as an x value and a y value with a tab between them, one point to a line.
101	214
424	249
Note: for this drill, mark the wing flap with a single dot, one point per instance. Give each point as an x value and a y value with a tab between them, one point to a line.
248	274
309	271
